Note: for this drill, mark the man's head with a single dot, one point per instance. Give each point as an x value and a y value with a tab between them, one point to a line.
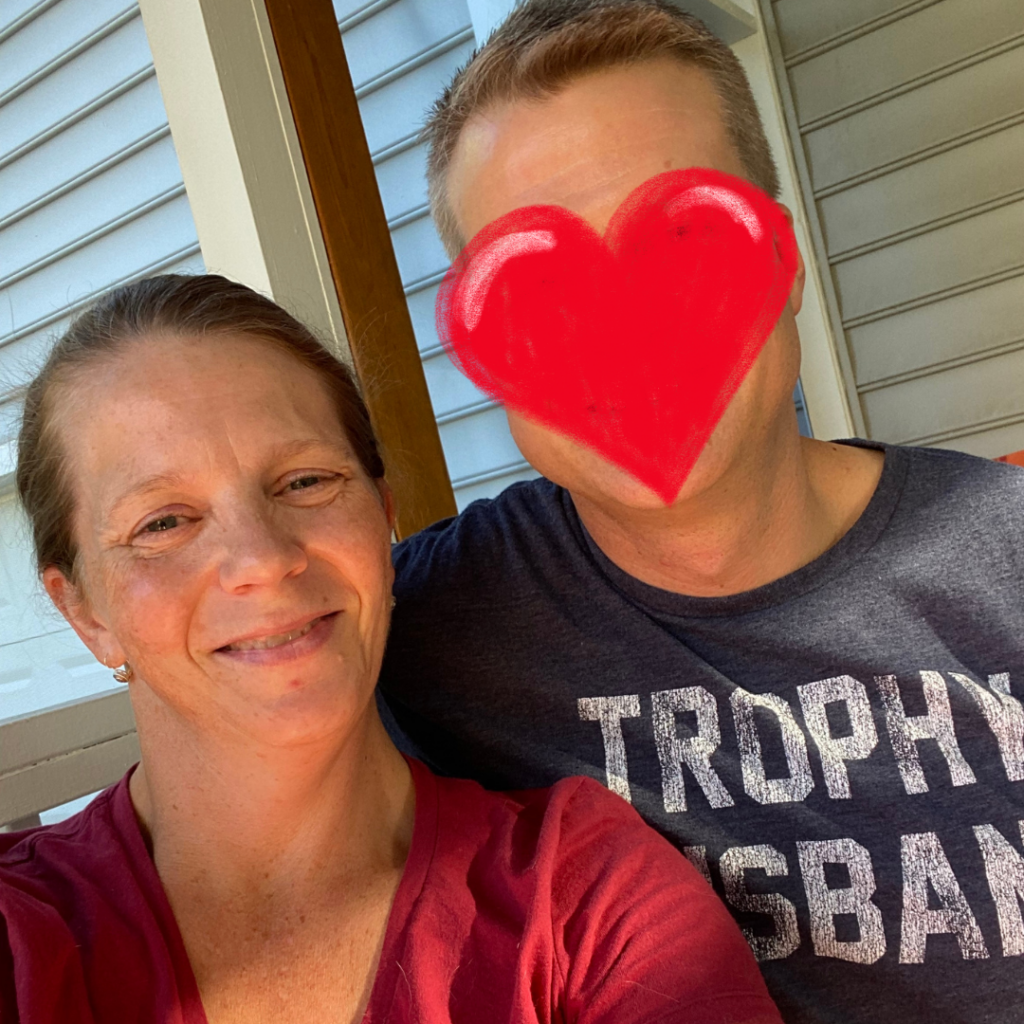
574	103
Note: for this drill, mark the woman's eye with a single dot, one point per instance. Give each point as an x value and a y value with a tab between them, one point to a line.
304	483
161	525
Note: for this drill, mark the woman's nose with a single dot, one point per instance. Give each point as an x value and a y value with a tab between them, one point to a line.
258	552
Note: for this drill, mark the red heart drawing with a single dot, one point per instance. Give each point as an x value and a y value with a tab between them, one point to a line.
632	344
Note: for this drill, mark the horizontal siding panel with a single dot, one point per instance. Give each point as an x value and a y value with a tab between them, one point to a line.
24	12
20	358
50	34
804	24
408	51
147	174
418	250
10	413
76	83
465	494
24	608
918	45
954	329
39	672
421	310
402	180
398	33
980	172
450	391
989	443
90	197
114	257
399	108
108	130
42	662
937	261
345	10
933	115
478	444
950	402
911	120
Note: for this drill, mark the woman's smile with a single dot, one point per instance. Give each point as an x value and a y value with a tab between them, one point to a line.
287	646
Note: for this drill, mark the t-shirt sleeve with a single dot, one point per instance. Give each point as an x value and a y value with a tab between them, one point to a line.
641	937
8	993
41	976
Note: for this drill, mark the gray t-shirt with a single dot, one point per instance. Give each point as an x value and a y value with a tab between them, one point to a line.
841	752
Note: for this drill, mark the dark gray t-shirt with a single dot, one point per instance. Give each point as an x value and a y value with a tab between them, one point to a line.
841	752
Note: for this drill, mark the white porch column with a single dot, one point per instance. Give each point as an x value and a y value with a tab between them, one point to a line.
228	110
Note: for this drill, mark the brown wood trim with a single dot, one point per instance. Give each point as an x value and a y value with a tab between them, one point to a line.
366	277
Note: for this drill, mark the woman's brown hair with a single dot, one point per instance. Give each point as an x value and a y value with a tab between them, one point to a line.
176	304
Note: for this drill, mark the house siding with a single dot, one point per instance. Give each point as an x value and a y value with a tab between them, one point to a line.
90	197
909	120
401	55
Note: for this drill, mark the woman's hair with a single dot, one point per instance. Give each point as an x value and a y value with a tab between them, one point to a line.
175	304
543	45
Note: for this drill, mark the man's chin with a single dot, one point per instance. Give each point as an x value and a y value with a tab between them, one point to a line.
585	473
592	478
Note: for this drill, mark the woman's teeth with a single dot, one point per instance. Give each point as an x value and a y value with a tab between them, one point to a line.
266	642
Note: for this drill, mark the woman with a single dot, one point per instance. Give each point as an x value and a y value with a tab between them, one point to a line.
210	514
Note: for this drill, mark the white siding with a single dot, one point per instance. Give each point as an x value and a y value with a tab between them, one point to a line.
909	119
90	196
401	54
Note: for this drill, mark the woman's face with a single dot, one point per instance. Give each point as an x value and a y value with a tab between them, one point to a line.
233	549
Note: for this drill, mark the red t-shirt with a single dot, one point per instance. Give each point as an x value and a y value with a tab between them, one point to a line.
553	905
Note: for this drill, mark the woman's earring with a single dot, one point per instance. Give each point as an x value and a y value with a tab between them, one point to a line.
394	601
123	674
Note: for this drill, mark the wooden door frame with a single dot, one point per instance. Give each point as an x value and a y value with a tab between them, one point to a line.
355	233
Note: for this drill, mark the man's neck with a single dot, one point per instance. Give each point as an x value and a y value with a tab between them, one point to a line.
770	514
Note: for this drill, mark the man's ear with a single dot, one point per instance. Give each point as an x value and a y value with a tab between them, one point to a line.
796	294
71	603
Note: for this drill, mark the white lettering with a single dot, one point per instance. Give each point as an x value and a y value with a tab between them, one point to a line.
1005	718
694	751
837	750
698	857
906	732
610	711
824	903
1004	869
733	866
924	865
762	789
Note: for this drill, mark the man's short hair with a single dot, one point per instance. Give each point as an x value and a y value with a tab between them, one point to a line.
545	44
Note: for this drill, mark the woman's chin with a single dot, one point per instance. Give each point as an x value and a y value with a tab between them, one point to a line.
322	702
310	715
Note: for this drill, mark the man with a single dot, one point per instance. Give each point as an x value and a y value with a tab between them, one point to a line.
806	669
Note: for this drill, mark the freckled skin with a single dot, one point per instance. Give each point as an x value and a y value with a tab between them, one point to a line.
279	812
248	553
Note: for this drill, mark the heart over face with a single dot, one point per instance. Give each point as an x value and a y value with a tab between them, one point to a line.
631	343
